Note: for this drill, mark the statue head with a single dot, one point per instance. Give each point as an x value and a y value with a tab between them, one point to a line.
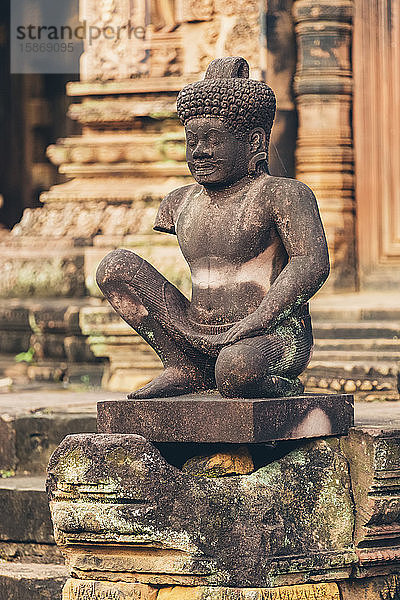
228	119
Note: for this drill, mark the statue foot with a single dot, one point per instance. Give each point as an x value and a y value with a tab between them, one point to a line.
173	382
287	387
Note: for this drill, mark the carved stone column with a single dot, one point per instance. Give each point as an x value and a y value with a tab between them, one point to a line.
323	86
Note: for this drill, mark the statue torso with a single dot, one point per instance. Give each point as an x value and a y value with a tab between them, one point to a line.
232	248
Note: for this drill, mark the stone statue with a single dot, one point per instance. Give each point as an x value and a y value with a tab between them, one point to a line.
255	246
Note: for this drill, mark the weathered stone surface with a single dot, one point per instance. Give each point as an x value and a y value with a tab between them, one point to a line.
319	591
274	527
211	418
31	581
382	587
233	461
374	458
96	590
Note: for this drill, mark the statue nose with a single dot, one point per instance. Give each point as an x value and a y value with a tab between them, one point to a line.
202	151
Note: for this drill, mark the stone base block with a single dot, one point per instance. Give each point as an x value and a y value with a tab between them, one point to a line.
211	418
122	512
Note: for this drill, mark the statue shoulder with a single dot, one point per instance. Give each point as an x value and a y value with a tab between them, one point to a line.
169	208
286	193
281	186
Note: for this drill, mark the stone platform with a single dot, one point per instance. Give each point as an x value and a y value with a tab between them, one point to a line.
210	418
313	519
36	421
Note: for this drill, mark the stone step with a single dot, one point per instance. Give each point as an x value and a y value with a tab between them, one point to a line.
367	344
357	330
362	378
24	501
51	326
27	441
357	306
31	581
345	355
361	366
354	314
50	372
26	533
34	422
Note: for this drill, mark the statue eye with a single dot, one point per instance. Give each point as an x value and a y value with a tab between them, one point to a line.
213	138
191	140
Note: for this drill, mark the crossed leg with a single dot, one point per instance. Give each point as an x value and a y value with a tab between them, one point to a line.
263	366
137	292
268	365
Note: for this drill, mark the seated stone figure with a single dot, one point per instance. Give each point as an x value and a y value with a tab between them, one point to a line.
255	246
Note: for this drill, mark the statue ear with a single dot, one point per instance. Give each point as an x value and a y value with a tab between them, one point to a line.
257	139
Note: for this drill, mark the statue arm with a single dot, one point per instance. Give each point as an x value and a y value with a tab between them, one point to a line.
295	214
164	220
170	208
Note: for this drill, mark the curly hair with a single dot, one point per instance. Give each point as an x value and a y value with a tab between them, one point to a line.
227	93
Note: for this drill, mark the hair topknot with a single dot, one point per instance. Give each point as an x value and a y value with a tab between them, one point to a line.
227	92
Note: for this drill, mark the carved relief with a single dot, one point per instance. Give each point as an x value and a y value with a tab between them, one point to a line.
232	28
97	590
77	221
194	10
241	41
164	54
122	57
391	589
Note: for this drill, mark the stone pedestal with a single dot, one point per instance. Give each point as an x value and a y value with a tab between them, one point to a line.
302	518
210	418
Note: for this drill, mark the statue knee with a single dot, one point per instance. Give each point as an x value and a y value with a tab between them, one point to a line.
119	265
235	369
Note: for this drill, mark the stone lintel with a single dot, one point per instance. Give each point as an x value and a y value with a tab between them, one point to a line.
211	418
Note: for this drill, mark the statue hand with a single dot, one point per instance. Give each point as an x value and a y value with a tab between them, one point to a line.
248	327
204	342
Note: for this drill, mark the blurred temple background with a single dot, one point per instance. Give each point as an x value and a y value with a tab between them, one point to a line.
85	163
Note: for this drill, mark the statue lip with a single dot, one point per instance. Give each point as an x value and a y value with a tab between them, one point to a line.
204	166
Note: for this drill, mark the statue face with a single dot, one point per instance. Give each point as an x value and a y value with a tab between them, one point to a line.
214	155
